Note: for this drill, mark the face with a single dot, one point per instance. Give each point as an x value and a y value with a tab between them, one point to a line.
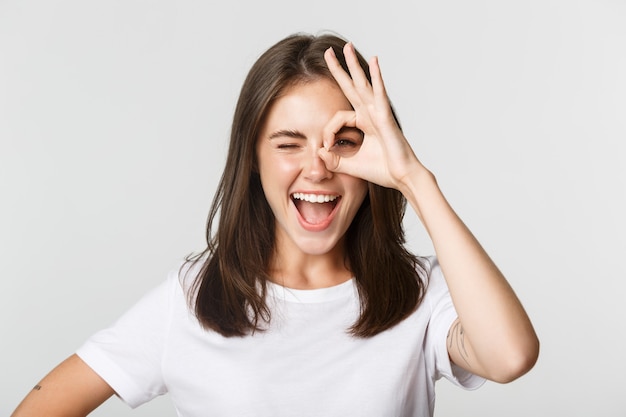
313	207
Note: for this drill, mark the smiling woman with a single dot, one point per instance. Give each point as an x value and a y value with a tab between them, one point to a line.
291	108
289	165
305	281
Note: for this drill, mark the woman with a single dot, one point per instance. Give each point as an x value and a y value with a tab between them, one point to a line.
306	301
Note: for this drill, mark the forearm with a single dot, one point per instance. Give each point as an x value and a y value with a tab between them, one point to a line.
501	343
499	340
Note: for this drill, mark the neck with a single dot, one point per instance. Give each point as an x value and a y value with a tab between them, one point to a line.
299	270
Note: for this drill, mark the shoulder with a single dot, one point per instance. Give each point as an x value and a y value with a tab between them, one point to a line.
435	286
430	271
186	272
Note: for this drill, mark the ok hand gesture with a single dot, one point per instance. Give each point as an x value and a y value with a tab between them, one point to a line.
385	156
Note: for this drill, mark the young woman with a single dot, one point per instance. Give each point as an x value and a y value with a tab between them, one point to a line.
305	301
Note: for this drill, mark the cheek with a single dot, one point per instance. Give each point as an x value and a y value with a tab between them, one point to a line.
284	165
359	188
277	173
277	168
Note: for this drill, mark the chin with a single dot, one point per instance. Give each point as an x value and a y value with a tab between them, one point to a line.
317	246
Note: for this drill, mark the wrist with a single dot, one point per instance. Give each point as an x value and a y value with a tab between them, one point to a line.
419	187
416	180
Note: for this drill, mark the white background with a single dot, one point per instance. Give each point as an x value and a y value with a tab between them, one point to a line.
114	117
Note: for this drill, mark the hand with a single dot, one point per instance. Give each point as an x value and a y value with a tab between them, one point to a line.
385	156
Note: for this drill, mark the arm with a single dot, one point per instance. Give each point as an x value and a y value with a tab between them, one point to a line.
493	336
72	389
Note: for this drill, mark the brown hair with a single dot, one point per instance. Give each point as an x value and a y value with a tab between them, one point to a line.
228	294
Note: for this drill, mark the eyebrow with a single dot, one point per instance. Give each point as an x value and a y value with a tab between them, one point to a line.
299	135
287	133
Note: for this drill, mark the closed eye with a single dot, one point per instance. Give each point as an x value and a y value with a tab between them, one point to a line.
285	139
287	146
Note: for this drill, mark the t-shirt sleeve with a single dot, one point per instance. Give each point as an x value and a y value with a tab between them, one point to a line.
443	314
128	355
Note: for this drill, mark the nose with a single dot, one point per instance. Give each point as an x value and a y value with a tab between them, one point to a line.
314	168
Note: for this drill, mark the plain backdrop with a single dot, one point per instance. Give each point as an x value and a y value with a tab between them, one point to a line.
114	118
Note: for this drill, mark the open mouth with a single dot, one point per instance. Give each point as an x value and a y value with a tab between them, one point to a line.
315	208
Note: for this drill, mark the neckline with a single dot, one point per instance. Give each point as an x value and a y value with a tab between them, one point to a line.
317	295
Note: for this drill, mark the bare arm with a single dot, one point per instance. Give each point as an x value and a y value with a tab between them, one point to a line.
493	336
72	389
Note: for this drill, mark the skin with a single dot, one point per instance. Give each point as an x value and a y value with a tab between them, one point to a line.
492	337
72	389
306	255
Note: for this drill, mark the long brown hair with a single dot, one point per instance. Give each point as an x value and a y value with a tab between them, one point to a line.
228	293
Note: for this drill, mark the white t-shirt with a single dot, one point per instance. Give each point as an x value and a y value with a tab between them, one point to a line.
305	364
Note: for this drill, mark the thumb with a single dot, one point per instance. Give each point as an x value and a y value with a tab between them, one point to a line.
343	165
339	164
331	159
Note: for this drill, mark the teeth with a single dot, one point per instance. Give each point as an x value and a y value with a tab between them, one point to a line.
315	198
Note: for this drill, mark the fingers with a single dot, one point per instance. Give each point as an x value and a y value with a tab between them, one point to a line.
355	85
335	124
356	71
340	142
337	163
331	160
342	77
372	115
378	85
335	67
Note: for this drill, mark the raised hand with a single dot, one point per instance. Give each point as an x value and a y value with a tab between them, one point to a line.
385	156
